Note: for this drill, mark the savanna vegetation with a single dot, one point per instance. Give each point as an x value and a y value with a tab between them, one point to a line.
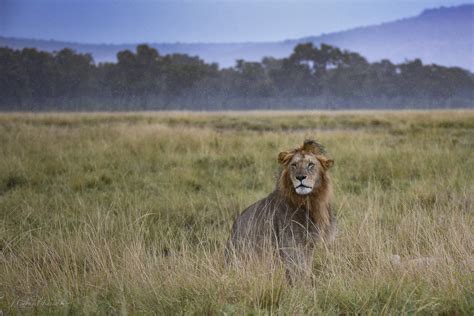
311	77
129	213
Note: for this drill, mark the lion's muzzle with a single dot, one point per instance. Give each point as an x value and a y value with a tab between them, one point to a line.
303	189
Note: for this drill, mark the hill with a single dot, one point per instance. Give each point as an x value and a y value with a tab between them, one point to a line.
443	36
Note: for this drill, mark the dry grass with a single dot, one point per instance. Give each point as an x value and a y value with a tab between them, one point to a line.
129	213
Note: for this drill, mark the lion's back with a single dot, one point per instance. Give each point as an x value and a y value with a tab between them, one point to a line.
256	226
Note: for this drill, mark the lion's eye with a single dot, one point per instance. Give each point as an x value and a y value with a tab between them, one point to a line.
310	165
293	165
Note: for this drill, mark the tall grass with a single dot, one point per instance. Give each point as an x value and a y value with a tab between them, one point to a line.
129	213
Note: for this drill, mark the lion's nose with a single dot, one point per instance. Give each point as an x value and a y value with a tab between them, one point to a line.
301	178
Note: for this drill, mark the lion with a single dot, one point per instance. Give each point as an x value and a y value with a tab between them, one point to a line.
296	215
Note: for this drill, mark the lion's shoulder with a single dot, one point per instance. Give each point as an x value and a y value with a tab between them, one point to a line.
268	206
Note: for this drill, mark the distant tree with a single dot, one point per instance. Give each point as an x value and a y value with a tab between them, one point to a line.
252	80
73	73
14	81
40	73
182	72
381	80
30	77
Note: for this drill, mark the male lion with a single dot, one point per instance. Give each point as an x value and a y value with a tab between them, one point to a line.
293	217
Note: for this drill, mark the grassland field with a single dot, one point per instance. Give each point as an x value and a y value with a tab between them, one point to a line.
128	213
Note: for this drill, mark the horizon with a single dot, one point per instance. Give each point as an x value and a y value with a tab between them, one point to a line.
53	22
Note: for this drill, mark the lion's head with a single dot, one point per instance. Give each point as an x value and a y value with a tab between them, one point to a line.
304	168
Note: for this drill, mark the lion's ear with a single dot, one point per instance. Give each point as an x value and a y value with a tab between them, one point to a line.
284	157
325	162
329	163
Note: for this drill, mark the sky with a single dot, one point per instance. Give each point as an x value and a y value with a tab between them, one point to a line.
136	21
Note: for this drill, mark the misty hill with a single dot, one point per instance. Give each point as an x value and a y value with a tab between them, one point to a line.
443	36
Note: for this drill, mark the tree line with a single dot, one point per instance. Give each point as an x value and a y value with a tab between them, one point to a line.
311	77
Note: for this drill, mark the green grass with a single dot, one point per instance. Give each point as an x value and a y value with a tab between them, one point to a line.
129	213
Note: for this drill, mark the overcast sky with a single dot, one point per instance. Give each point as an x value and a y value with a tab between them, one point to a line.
133	21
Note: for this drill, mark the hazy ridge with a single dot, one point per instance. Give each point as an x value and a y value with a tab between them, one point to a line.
443	36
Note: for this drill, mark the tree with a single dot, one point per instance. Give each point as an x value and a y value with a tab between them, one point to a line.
72	73
147	79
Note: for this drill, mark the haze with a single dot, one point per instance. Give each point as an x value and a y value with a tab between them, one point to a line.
108	21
